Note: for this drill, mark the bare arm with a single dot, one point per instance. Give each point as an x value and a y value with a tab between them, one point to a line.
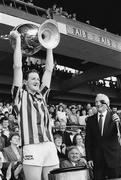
17	60
46	79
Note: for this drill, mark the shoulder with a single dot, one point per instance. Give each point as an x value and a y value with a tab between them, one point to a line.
16	88
7	149
90	119
4	136
66	163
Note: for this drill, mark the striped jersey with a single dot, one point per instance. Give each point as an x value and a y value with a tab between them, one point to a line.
33	115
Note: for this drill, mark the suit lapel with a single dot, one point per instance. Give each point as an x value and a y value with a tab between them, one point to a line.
96	124
106	123
13	154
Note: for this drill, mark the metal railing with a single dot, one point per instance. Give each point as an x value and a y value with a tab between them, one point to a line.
74	128
28	8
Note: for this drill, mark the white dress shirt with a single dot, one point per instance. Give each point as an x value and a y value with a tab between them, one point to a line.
103	120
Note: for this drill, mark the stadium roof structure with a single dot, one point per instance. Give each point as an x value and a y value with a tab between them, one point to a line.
83	47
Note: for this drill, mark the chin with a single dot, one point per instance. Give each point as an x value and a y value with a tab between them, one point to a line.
35	89
99	109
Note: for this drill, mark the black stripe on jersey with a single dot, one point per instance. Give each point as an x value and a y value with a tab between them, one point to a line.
29	111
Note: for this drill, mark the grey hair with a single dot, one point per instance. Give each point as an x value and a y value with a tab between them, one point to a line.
103	97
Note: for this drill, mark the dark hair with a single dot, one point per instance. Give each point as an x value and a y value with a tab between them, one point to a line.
13	134
70	148
83	110
59	107
57	136
6	112
72	108
26	75
74	138
56	121
4	119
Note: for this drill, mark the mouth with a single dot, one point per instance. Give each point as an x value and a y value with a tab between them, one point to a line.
36	85
99	107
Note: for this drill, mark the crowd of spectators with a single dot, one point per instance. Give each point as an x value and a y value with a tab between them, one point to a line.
31	7
65	74
33	63
68	129
105	83
26	4
60	11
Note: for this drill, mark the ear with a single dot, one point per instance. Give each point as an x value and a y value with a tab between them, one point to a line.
24	82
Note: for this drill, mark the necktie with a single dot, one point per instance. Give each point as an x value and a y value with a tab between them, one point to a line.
100	122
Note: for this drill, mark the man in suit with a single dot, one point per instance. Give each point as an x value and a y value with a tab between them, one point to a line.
65	135
74	158
103	150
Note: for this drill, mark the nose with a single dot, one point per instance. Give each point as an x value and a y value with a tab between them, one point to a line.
97	103
37	81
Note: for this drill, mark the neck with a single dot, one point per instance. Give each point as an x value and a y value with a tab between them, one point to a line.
13	146
102	111
30	91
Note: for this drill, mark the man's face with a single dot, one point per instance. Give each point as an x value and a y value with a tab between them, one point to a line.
58	142
114	110
62	126
5	123
57	124
33	82
11	117
51	109
73	110
100	107
88	106
74	155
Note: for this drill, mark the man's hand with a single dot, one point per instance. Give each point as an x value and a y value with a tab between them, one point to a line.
63	148
15	34
90	164
115	118
15	38
17	171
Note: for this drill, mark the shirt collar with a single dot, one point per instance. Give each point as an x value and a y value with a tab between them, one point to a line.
103	113
74	164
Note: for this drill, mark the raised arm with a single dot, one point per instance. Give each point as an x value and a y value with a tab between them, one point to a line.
46	79
17	60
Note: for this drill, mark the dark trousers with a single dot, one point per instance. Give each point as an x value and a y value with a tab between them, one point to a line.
108	173
104	172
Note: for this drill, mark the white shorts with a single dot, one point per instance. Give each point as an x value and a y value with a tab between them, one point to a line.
43	154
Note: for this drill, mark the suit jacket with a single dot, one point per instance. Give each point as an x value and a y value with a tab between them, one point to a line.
105	146
66	138
61	155
9	154
67	163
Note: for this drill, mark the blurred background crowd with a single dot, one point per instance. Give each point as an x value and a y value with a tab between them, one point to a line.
68	129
